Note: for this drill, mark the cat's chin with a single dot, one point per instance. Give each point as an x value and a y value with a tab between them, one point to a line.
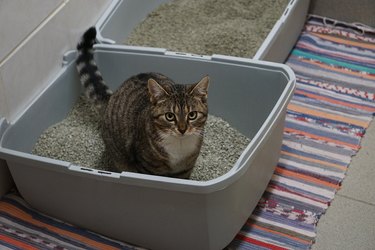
179	147
183	136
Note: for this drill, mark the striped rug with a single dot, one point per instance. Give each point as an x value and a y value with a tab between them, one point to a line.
333	104
326	119
21	227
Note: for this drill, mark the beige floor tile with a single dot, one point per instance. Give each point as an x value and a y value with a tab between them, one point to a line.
348	224
360	181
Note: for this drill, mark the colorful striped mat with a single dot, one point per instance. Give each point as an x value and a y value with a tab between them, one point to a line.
332	106
326	119
21	227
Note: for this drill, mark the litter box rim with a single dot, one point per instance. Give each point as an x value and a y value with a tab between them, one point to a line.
161	182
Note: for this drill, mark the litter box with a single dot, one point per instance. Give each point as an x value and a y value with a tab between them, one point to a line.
122	16
152	211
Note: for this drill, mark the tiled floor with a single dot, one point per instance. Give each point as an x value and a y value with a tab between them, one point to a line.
350	221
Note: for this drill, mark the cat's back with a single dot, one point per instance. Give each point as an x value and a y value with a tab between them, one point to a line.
132	95
128	109
126	122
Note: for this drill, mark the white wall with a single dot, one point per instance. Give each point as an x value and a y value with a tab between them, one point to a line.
34	35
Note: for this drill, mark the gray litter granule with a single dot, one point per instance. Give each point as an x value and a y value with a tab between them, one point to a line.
77	139
207	27
221	148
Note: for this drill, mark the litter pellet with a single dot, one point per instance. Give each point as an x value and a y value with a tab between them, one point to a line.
77	139
207	27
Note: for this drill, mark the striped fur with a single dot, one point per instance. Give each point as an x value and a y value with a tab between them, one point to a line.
140	138
150	124
91	79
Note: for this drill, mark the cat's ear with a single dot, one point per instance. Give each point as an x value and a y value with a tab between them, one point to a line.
201	88
155	90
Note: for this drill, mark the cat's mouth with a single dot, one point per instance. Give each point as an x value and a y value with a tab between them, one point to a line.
187	134
182	135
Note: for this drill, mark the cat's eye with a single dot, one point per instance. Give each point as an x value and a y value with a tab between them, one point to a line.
193	115
169	116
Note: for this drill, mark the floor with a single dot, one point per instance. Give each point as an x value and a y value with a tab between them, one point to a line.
350	221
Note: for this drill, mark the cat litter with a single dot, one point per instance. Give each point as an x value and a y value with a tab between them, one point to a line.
206	27
77	139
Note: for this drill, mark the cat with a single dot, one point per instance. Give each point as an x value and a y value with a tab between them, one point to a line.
150	124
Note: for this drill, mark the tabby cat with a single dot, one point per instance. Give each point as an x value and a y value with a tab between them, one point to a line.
150	124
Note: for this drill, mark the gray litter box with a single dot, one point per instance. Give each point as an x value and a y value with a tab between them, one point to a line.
152	211
122	16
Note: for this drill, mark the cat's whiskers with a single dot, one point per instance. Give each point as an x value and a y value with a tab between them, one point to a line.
197	132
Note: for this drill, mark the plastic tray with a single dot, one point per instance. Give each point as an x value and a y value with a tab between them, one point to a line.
152	211
122	16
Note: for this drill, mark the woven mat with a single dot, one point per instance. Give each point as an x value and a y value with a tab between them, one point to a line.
332	106
22	227
326	119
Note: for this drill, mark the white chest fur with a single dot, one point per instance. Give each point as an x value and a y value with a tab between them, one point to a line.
178	148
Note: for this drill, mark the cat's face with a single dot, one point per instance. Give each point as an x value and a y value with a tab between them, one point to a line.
179	110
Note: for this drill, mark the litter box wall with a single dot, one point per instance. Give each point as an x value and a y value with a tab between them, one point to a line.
6	182
284	34
361	11
5	178
123	15
152	211
28	58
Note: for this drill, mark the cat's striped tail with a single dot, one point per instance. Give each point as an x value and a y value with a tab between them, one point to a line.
91	79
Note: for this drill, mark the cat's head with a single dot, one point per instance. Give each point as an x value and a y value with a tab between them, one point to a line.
179	110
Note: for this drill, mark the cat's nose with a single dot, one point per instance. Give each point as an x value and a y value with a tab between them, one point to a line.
182	130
